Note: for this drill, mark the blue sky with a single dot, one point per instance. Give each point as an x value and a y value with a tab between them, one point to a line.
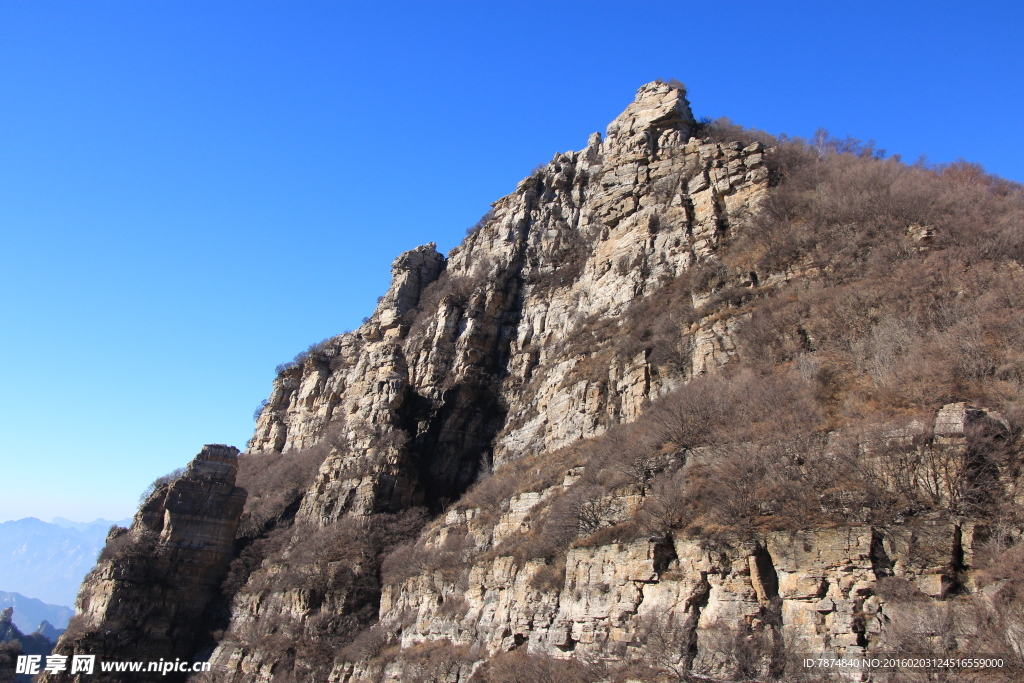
192	192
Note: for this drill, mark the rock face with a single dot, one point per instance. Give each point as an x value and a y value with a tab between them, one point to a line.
148	595
480	358
691	605
579	240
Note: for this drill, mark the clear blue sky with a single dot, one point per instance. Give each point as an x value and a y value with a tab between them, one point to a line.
192	192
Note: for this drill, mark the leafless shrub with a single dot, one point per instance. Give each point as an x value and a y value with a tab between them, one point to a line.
435	661
551	576
128	544
453	607
479	225
161	481
489	492
689	416
724	130
275	483
420	556
369	644
259	409
519	666
667	643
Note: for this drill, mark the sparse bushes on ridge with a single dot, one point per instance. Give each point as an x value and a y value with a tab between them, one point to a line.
125	544
323	350
479	225
163	480
723	130
259	409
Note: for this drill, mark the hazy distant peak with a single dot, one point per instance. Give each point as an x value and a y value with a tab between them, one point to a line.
82	526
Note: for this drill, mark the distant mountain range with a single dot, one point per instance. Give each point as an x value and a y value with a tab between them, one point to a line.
30	614
48	561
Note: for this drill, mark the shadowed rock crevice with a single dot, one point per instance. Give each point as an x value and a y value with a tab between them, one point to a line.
881	564
456	442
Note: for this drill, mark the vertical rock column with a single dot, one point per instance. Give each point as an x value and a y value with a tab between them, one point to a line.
147	596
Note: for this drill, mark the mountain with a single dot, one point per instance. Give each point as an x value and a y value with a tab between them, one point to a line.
48	561
97	526
30	613
693	401
13	643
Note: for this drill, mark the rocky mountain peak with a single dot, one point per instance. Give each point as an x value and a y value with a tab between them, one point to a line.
411	272
215	462
659	115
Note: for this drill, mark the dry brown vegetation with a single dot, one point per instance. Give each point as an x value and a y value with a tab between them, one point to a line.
275	482
521	667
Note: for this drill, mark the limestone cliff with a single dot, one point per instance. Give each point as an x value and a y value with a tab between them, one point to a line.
720	606
578	242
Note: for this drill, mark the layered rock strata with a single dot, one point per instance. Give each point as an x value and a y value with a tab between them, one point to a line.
481	357
706	606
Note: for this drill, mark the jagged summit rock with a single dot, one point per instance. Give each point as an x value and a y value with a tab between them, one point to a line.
659	117
411	273
215	462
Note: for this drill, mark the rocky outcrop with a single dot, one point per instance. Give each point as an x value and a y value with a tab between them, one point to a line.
683	604
480	357
574	246
719	606
148	596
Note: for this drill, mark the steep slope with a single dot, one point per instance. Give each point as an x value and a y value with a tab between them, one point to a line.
458	344
477	359
692	400
613	276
